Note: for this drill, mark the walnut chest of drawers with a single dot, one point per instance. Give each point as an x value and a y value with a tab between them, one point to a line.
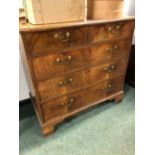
71	67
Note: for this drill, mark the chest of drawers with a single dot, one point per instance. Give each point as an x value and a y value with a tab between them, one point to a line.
71	67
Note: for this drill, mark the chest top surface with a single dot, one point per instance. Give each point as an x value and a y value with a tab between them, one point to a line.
25	27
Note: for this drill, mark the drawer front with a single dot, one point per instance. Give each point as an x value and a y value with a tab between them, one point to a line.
75	101
56	39
114	85
65	84
110	50
57	63
111	31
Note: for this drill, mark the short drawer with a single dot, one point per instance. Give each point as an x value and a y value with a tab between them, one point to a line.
71	82
109	50
56	39
75	101
111	31
57	63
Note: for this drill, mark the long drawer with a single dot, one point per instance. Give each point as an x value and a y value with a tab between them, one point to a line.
74	101
56	63
117	30
70	82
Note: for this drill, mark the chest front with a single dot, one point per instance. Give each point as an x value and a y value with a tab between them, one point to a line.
74	68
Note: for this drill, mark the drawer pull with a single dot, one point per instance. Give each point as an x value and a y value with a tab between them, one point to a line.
66	82
67	37
56	36
62	103
58	60
68	59
115	47
70	80
109	86
110	68
109	28
112	49
118	27
70	102
109	49
60	83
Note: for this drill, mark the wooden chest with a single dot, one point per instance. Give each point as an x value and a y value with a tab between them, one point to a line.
71	67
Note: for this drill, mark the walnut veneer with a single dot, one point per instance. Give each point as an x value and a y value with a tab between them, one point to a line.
73	66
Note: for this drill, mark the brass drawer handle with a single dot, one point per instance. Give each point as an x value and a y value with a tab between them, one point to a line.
70	80
109	49
115	47
65	82
63	103
109	86
110	68
67	37
109	29
58	60
61	83
118	27
56	36
112	49
69	102
67	59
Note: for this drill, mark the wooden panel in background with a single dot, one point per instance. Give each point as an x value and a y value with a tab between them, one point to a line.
104	9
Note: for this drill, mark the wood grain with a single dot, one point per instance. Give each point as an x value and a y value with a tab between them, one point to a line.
61	106
87	69
55	39
68	83
111	31
25	27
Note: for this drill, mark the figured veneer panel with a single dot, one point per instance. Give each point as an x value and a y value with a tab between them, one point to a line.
117	30
74	101
73	66
40	42
65	84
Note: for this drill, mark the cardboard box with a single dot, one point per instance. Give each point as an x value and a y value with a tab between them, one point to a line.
104	9
54	11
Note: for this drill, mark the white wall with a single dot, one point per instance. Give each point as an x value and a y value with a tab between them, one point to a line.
23	88
129	8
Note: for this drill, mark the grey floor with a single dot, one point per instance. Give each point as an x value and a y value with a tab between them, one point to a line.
106	129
